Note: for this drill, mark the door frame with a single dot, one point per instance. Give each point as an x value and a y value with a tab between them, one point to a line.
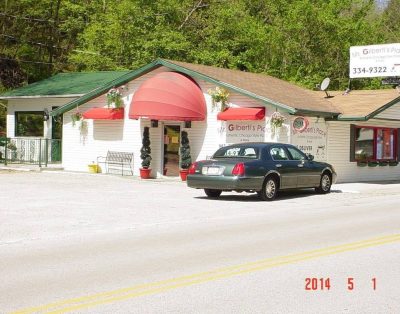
164	124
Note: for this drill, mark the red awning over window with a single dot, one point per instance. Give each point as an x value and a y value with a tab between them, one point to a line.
242	114
104	114
169	96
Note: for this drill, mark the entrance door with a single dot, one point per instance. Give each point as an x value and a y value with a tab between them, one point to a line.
172	139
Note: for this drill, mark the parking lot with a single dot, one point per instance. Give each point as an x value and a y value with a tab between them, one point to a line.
108	232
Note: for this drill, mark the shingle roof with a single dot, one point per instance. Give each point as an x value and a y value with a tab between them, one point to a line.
363	103
266	86
357	104
62	84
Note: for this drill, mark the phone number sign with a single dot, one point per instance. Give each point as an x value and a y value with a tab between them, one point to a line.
375	61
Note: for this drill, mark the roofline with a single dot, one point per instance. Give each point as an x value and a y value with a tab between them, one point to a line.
324	114
239	90
42	96
156	64
169	64
104	88
383	108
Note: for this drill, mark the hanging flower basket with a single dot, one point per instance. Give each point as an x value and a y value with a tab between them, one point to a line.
114	98
277	119
219	97
76	117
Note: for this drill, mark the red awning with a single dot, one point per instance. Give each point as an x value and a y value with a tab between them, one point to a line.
169	96
242	114
104	114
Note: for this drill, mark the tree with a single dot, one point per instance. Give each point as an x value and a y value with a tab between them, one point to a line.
186	158
145	151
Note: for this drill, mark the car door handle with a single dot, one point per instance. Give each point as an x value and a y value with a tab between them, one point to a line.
278	165
300	165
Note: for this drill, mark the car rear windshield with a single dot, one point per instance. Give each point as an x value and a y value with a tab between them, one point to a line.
237	152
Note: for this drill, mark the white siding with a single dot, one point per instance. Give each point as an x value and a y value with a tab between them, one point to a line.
392	112
125	135
32	104
339	154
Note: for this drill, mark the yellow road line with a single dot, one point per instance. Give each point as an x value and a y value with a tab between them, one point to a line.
165	285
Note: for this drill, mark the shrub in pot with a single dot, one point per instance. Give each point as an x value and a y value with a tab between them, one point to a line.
185	157
145	152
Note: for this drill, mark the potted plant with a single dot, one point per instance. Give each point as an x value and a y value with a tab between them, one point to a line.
219	97
93	167
185	157
114	98
277	120
76	117
145	152
362	159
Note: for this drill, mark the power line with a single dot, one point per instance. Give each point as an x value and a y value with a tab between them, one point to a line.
28	18
35	62
49	46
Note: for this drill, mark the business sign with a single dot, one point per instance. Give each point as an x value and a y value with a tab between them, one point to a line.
375	61
245	131
311	139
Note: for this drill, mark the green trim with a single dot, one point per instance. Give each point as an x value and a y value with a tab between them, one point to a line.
151	66
339	118
373	114
226	85
324	114
383	108
105	88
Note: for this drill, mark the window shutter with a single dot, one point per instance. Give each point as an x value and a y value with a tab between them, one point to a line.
398	144
352	142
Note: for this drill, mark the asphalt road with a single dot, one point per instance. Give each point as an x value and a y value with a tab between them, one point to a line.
103	244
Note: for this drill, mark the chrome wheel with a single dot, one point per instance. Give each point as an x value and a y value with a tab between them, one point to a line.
325	183
270	189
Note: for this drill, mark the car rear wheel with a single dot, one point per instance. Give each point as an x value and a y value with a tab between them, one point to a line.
325	184
269	189
212	193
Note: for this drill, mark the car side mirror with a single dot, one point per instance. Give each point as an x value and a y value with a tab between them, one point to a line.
310	157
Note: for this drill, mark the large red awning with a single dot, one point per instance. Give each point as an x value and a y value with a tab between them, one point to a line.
104	114
242	114
169	96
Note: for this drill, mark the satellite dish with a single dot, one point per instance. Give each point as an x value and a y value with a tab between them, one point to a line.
324	86
325	83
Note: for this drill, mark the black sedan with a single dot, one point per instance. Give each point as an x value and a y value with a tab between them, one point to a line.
264	168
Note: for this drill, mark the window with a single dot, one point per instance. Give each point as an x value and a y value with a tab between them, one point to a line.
234	152
278	153
296	154
373	143
29	123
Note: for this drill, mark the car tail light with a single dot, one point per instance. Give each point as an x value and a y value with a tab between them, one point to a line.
192	168
238	170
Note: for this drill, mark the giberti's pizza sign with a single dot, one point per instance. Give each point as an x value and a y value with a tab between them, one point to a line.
375	61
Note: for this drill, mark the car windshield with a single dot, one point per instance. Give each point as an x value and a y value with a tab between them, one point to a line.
237	152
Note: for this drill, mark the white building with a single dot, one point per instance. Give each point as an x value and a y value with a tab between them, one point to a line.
357	133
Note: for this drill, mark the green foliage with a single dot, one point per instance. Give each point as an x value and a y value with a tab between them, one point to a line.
185	157
301	41
3	115
145	151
